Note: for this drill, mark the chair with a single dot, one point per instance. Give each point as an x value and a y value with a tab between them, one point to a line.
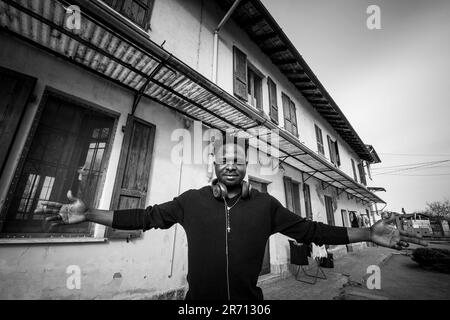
299	257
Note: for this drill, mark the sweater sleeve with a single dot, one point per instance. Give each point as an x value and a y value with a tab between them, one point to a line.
161	216
303	230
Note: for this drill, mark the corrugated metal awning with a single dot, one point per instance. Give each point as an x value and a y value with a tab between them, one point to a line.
108	47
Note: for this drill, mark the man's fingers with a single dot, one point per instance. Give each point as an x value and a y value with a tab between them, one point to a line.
53	218
410	234
70	196
397	246
415	240
51	204
403	243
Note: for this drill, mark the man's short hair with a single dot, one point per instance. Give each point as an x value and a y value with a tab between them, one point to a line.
226	138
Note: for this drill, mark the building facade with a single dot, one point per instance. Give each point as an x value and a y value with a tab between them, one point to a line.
96	97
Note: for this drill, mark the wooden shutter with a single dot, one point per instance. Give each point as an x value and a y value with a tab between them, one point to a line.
240	73
286	112
338	157
307	196
362	174
319	139
130	190
329	210
354	170
15	90
331	149
296	198
288	193
273	100
293	118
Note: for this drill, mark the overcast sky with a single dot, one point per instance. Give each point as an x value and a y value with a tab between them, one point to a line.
393	84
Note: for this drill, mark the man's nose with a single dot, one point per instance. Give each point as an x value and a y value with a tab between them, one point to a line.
230	165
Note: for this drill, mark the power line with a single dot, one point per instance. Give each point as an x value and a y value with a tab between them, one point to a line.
418	175
417	154
406	165
411	168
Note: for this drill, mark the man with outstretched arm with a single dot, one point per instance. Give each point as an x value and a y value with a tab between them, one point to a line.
227	226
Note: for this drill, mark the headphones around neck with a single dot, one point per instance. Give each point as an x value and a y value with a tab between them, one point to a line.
220	190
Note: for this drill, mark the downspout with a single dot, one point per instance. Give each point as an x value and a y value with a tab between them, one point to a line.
216	39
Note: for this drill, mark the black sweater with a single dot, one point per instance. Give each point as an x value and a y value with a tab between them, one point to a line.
212	274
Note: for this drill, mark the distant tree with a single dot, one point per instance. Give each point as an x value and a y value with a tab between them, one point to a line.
439	209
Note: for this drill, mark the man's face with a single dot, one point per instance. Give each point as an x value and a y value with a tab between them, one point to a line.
230	164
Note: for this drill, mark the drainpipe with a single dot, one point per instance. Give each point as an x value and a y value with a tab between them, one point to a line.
216	39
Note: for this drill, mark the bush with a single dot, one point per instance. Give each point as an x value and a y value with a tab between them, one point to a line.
432	259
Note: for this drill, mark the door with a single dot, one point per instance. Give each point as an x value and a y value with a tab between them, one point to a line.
15	89
130	190
265	269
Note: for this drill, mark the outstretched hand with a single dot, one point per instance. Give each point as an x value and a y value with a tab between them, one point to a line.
59	213
385	234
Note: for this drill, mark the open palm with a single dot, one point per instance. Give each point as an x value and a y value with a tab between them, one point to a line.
385	234
59	213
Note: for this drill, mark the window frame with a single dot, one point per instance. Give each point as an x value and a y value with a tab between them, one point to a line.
319	136
52	92
291	111
118	6
257	94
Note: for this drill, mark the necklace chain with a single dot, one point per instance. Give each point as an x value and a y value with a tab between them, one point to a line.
231	207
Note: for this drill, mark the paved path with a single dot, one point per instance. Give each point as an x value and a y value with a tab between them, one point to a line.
401	278
350	268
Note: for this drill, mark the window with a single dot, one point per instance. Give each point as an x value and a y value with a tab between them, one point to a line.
273	100
290	117
138	11
240	74
247	83
319	139
254	88
291	189
307	195
354	171
334	151
362	174
329	210
68	151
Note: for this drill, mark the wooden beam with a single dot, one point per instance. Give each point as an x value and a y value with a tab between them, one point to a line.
283	62
252	21
275	50
264	37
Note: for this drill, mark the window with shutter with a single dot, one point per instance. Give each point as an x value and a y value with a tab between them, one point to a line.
307	196
254	88
338	157
362	174
240	74
138	11
67	150
354	170
15	89
319	139
286	112
293	118
130	190
291	189
273	100
288	193
331	149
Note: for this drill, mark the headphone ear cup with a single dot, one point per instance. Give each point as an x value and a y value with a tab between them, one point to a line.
219	189
246	189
